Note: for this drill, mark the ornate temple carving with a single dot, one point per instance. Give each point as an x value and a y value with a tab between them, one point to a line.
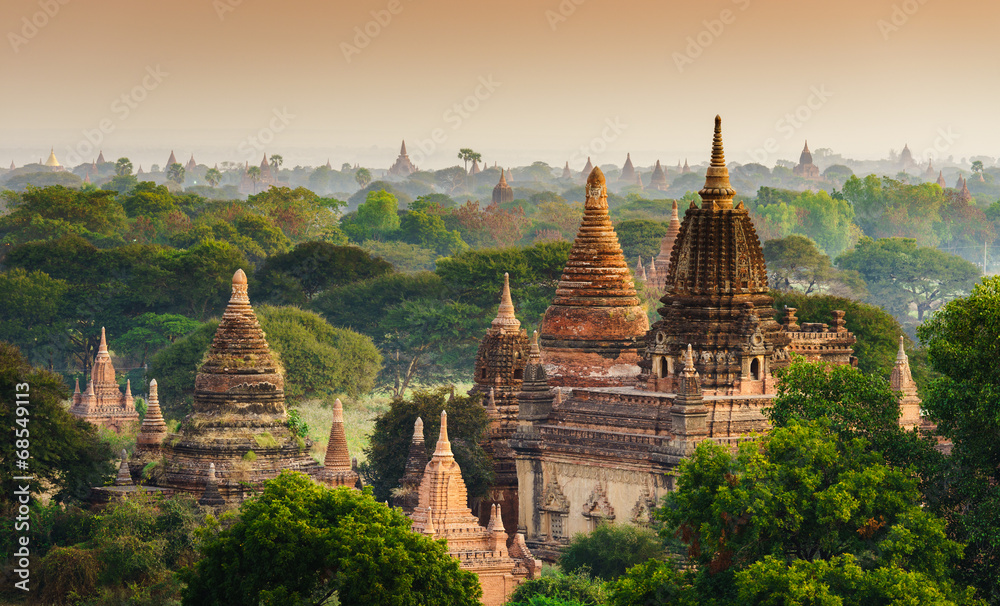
103	403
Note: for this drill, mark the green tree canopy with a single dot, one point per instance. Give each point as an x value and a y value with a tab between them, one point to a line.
901	275
299	275
640	238
794	262
389	446
301	543
611	549
55	211
376	217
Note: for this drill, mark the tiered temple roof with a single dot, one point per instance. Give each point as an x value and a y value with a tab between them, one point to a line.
171	160
103	404
592	332
442	512
717	297
805	168
337	469
566	173
239	421
667	247
940	179
409	484
902	381
658	180
402	167
587	168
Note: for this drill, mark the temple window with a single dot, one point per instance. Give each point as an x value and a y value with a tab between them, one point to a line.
755	369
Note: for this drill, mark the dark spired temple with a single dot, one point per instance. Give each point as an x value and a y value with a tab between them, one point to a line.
609	408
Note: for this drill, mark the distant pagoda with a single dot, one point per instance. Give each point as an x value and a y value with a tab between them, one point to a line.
402	167
628	171
103	403
805	168
658	180
502	192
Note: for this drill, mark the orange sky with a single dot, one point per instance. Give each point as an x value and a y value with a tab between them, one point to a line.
561	73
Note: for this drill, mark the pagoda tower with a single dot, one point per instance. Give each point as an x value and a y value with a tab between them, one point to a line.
337	469
963	194
906	157
566	173
239	421
929	173
100	157
628	171
940	179
716	299
191	165
592	333
442	513
407	498
171	160
658	180
499	372
103	404
502	193
587	169
902	381
667	247
402	167
475	170
805	168
52	163
686	169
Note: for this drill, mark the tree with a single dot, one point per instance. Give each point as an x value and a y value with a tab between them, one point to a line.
570	589
297	276
152	332
329	542
429	231
363	176
175	173
276	162
962	343
377	217
66	456
900	275
56	211
803	498
640	238
33	314
795	262
977	166
611	549
213	176
491	226
175	367
254	173
389	445
149	200
300	213
406	258
123	167
857	405
467	155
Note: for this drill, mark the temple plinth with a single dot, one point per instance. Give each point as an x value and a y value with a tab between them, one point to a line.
592	333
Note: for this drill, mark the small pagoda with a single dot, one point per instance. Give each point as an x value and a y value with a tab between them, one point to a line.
658	180
103	403
628	171
502	192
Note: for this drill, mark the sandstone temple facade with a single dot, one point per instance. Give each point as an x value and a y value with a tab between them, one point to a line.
402	167
103	403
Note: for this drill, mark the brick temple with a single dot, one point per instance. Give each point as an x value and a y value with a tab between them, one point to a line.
103	403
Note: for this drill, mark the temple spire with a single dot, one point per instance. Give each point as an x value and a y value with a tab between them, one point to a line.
717	193
506	320
103	347
124	478
239	288
443	445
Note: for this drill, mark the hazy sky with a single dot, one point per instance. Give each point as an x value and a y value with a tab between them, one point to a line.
517	80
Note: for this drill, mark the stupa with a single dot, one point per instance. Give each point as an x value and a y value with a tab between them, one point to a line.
566	173
593	331
337	469
402	167
502	193
805	168
100	157
442	512
499	372
170	161
628	171
667	247
103	404
658	180
902	381
940	179
409	485
587	168
239	421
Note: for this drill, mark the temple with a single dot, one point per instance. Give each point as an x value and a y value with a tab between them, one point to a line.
940	179
190	166
666	248
499	372
170	161
592	451
566	172
502	193
628	171
402	167
906	161
593	331
337	469
587	168
805	168
658	180
442	512
51	163
239	423
264	180
103	404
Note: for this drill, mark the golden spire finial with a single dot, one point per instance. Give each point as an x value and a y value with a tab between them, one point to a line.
717	193
443	445
103	347
506	319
